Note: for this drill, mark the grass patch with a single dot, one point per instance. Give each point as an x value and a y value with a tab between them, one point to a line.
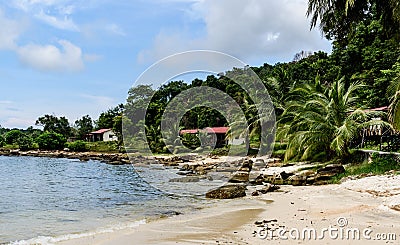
379	165
11	147
100	146
220	151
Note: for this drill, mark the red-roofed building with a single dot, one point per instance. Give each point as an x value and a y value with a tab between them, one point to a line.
104	134
220	133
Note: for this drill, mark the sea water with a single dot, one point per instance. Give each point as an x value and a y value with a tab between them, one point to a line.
46	200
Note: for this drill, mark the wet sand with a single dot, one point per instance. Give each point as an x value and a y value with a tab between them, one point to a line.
348	206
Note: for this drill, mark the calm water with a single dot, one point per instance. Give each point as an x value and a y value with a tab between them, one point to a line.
56	197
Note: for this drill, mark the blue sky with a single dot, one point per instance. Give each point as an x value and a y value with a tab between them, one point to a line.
72	58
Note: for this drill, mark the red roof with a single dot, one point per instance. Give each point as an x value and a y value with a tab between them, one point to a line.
188	131
217	130
101	131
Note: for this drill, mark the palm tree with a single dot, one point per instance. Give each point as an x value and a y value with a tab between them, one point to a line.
319	120
258	123
393	92
338	17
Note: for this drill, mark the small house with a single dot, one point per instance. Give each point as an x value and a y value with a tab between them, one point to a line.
102	135
220	133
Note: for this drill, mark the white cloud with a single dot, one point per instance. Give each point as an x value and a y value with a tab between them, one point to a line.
115	29
66	10
252	29
17	122
27	5
5	102
67	57
56	13
9	32
64	23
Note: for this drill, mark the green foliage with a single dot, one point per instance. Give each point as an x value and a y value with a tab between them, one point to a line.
117	127
191	141
59	125
84	126
338	19
380	164
367	54
106	119
33	133
101	146
320	120
393	91
25	142
280	146
51	141
220	151
78	145
2	141
13	136
317	97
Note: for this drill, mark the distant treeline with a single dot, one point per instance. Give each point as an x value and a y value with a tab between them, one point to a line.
320	99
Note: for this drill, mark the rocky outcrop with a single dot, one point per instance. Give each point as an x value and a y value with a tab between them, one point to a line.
306	177
331	170
186	179
259	163
227	192
265	189
111	158
240	177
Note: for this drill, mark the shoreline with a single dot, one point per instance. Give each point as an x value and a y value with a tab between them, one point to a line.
367	203
110	158
239	221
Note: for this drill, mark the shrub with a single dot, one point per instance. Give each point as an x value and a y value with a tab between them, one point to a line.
191	141
51	141
1	141
101	146
220	151
13	136
25	142
380	164
78	145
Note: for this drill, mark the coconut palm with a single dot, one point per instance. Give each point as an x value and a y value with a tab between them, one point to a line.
337	17
259	122
319	120
393	92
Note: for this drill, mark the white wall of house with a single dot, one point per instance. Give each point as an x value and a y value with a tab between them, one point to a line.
238	141
109	136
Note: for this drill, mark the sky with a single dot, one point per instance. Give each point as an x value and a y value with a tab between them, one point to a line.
77	57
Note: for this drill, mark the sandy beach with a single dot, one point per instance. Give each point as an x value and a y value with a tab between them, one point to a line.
357	211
